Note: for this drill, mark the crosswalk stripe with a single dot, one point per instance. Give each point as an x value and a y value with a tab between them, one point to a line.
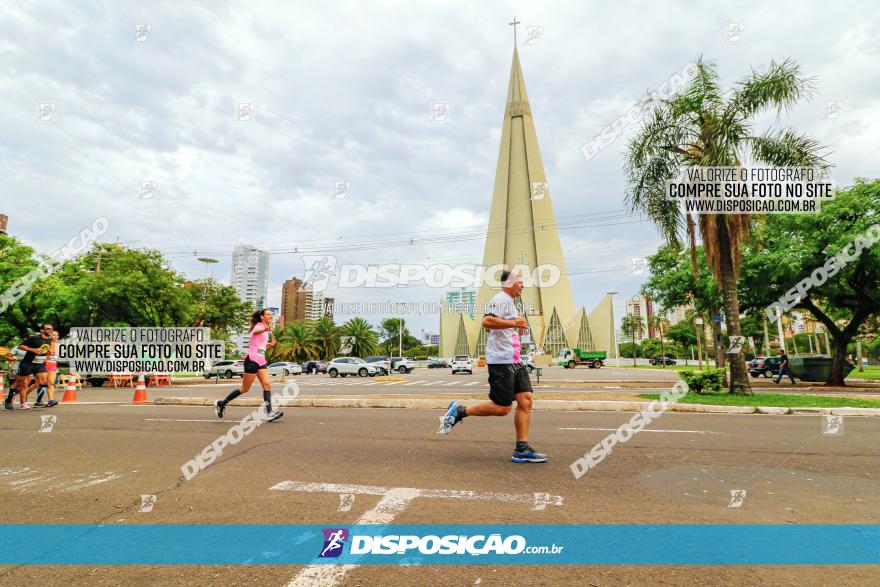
473	383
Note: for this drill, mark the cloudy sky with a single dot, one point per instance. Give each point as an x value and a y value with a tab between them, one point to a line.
343	92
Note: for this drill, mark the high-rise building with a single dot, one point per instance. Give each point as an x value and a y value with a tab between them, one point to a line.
300	302
640	306
462	301
315	307
4	223
294	300
677	314
250	274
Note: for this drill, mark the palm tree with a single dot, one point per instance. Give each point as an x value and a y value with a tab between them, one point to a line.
659	322
704	126
631	324
326	337
296	342
365	338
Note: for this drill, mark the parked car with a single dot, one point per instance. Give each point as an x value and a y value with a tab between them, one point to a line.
226	369
438	364
766	366
389	364
351	366
285	368
667	360
401	365
383	364
462	363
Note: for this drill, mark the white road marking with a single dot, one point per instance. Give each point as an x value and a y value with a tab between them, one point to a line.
394	501
20	478
176	420
647	430
472	383
415	383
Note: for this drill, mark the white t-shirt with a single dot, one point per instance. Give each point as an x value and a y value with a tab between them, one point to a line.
502	345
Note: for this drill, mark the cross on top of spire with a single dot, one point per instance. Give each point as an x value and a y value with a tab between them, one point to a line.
513	24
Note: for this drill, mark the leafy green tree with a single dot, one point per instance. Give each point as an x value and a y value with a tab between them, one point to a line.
115	286
630	325
706	126
217	306
787	249
326	335
23	316
390	334
681	278
296	342
684	333
365	338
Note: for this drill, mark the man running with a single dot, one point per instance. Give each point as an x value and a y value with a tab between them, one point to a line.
508	377
33	365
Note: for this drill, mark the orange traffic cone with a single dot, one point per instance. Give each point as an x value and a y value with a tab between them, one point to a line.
70	390
140	392
2	387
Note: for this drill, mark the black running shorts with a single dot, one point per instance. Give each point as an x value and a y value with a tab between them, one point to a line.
505	381
26	369
252	366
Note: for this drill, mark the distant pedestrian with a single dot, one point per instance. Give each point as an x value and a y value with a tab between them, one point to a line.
51	374
784	368
33	365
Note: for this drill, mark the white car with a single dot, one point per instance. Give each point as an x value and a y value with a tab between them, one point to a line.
285	368
226	369
462	363
351	366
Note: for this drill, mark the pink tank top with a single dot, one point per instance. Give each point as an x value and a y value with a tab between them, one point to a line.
257	347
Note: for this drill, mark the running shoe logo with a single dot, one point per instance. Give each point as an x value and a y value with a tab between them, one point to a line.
334	540
318	270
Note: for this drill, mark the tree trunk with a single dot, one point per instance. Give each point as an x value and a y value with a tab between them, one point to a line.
839	359
739	375
720	356
840	338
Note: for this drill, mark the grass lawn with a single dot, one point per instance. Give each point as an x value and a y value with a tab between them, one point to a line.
871	372
773	399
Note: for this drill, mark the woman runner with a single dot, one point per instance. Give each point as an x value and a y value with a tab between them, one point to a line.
255	365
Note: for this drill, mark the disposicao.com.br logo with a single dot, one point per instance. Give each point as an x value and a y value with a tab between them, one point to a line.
401	544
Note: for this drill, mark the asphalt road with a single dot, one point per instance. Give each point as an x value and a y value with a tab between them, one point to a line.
100	458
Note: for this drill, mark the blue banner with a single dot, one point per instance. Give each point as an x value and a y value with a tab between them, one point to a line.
606	544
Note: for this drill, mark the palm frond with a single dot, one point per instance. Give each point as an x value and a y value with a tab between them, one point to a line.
786	147
780	86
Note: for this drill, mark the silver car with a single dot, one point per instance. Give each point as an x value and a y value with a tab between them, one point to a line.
226	369
285	368
351	366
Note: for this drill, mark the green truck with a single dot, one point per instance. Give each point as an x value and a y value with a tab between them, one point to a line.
571	358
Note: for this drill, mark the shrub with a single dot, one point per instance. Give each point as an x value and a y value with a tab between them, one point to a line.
707	381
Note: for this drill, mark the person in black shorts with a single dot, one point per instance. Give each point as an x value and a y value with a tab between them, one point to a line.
508	376
35	347
255	365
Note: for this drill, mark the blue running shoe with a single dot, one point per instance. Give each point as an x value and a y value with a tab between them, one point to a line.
528	456
447	420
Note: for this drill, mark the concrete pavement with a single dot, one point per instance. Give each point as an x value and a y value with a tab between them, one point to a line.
100	458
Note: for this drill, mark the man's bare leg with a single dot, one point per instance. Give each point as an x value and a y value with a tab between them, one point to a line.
523	415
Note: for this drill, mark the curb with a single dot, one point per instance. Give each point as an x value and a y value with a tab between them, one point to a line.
546	405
